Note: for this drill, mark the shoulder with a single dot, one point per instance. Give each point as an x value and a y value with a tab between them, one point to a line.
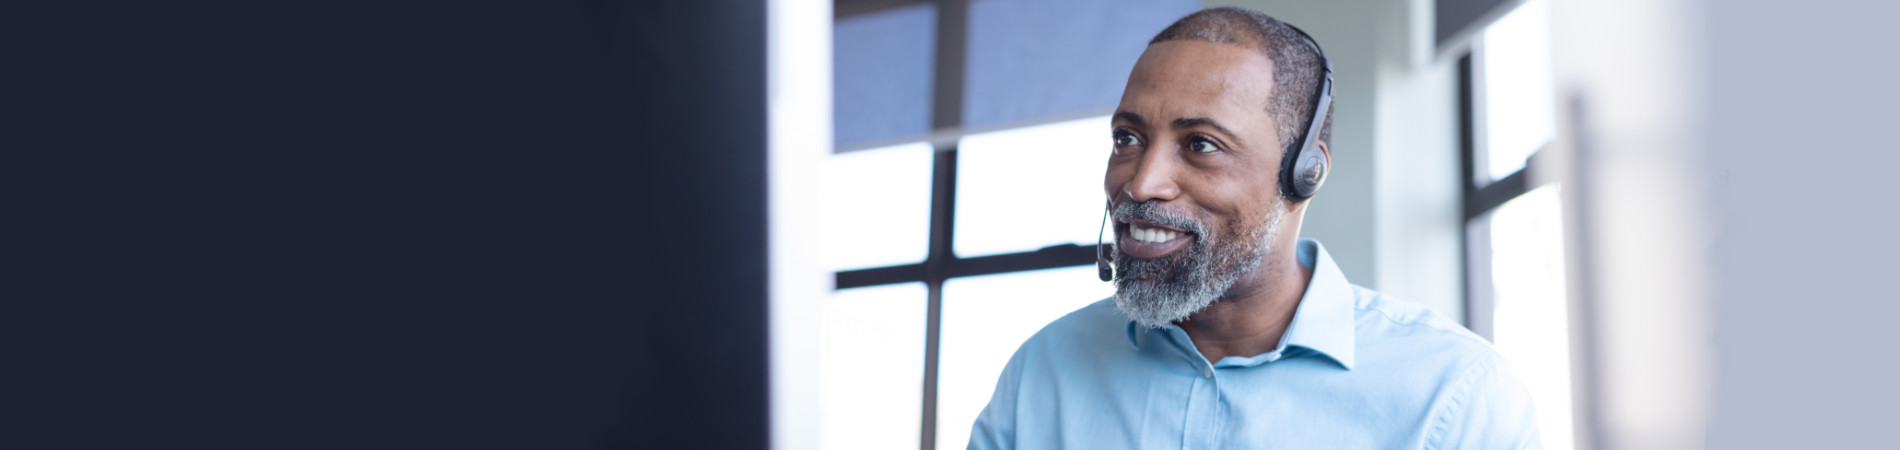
1078	336
1471	395
1463	379
1382	321
1421	350
1092	322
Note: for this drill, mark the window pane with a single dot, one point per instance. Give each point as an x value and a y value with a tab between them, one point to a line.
876	206
1519	112
882	67
984	320
1031	60
871	368
1028	188
1531	321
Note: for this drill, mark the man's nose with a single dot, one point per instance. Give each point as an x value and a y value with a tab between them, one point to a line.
1154	177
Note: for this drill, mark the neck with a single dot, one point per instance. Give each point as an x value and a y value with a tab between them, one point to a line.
1255	314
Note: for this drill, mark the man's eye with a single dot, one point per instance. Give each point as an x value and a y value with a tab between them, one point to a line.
1126	140
1202	146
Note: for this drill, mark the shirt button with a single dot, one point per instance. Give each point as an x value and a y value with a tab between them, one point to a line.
1208	372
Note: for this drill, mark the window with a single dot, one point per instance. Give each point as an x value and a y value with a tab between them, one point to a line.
953	249
1519	117
990	239
869	201
1059	166
1530	322
870	365
1514	229
984	319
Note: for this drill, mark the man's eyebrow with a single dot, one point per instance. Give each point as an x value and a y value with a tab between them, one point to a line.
1132	117
1190	122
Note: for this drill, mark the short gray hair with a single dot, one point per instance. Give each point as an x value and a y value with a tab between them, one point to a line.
1296	65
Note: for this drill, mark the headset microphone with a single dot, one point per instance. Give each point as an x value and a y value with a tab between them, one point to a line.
1102	268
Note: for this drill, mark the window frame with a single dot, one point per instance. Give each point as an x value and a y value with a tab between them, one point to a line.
942	263
1480	195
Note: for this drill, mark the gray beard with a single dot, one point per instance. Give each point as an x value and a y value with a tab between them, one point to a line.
1156	292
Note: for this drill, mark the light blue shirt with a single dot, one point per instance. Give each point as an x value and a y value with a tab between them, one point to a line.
1355	370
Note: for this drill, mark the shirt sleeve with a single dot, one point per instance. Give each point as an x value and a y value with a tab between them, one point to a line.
1490	409
995	427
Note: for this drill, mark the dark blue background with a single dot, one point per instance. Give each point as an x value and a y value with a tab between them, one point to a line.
381	225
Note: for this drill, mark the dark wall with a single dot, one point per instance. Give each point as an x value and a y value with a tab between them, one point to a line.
1450	18
383	225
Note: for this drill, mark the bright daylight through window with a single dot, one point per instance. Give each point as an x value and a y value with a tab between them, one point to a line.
984	320
1532	328
1028	188
871	366
1530	311
877	206
1519	114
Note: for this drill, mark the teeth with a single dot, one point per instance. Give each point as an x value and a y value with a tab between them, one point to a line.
1154	235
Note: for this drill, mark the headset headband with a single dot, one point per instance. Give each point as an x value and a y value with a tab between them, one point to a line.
1303	169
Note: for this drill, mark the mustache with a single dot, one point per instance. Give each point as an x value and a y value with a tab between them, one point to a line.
1152	212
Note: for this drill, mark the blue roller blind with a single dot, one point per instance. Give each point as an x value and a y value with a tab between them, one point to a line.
881	74
1039	59
1025	61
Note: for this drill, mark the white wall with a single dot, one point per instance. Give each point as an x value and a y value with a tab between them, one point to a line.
1418	213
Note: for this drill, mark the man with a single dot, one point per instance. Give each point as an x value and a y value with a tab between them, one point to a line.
1226	329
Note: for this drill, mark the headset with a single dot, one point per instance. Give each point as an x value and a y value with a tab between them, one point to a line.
1302	170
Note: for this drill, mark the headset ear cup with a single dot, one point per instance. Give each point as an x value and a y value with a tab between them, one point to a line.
1310	173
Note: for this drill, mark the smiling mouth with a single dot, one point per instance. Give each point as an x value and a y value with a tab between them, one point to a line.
1153	235
1146	240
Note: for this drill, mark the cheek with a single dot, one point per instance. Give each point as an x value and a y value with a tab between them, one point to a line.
1237	207
1241	185
1117	176
1239	227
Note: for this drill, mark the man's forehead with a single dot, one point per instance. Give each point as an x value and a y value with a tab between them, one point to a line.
1190	77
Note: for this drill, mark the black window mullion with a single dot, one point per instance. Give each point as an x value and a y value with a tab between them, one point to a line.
953	17
936	269
1477	303
1482	200
1051	257
1467	131
1479	196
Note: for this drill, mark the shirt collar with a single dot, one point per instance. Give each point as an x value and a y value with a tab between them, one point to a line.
1323	322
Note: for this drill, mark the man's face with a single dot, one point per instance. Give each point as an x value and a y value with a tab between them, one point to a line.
1193	178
